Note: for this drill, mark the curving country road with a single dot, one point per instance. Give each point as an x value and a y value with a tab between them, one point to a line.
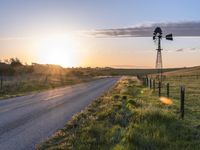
26	121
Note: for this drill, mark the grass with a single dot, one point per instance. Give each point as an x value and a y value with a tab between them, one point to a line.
21	80
27	83
192	95
128	117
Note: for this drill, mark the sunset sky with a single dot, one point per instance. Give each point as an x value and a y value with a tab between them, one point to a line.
58	32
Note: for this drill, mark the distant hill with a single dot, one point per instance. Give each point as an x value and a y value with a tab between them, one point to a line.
185	71
117	72
56	69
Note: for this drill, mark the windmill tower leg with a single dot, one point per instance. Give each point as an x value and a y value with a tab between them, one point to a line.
159	64
159	60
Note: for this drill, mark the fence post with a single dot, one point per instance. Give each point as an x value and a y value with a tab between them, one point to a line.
46	79
159	89
168	90
182	101
147	82
150	83
154	85
143	81
1	82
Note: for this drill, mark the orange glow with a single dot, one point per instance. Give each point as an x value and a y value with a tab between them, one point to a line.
166	100
58	50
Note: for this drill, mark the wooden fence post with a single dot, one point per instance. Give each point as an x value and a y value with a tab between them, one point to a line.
168	90
144	81
182	96
46	79
154	85
1	82
150	85
159	89
147	82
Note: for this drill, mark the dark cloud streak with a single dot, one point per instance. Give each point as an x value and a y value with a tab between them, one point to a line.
188	50
177	29
179	50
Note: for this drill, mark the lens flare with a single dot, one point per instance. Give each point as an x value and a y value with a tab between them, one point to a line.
166	101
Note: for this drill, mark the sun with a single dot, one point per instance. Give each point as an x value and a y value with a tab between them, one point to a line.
58	50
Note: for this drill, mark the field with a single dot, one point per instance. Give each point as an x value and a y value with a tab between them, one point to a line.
38	78
190	79
129	116
22	79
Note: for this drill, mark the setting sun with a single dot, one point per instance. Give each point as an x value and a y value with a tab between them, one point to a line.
60	51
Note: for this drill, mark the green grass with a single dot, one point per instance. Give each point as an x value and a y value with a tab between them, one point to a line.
28	83
192	96
128	117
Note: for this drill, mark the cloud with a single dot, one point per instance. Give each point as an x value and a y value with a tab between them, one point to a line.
188	50
194	49
180	50
177	29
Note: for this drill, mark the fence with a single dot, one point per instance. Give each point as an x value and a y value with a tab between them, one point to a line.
171	88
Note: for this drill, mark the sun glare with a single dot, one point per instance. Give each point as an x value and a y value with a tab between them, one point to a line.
166	101
59	51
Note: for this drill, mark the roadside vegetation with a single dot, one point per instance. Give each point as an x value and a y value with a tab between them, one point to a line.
17	79
127	117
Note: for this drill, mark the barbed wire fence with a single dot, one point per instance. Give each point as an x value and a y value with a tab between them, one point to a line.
183	90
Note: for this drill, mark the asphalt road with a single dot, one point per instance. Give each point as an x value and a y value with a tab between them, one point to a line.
28	120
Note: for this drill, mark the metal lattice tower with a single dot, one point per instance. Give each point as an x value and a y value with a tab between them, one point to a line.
157	35
159	64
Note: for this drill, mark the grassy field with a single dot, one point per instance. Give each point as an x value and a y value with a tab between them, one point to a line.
190	79
38	78
22	79
127	117
23	84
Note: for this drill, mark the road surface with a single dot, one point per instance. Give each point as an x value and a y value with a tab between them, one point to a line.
26	121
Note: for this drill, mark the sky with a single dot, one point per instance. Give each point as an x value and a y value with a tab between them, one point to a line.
61	32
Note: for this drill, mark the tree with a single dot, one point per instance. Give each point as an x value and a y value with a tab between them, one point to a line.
15	62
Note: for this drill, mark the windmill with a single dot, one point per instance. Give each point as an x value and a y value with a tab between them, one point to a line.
157	36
